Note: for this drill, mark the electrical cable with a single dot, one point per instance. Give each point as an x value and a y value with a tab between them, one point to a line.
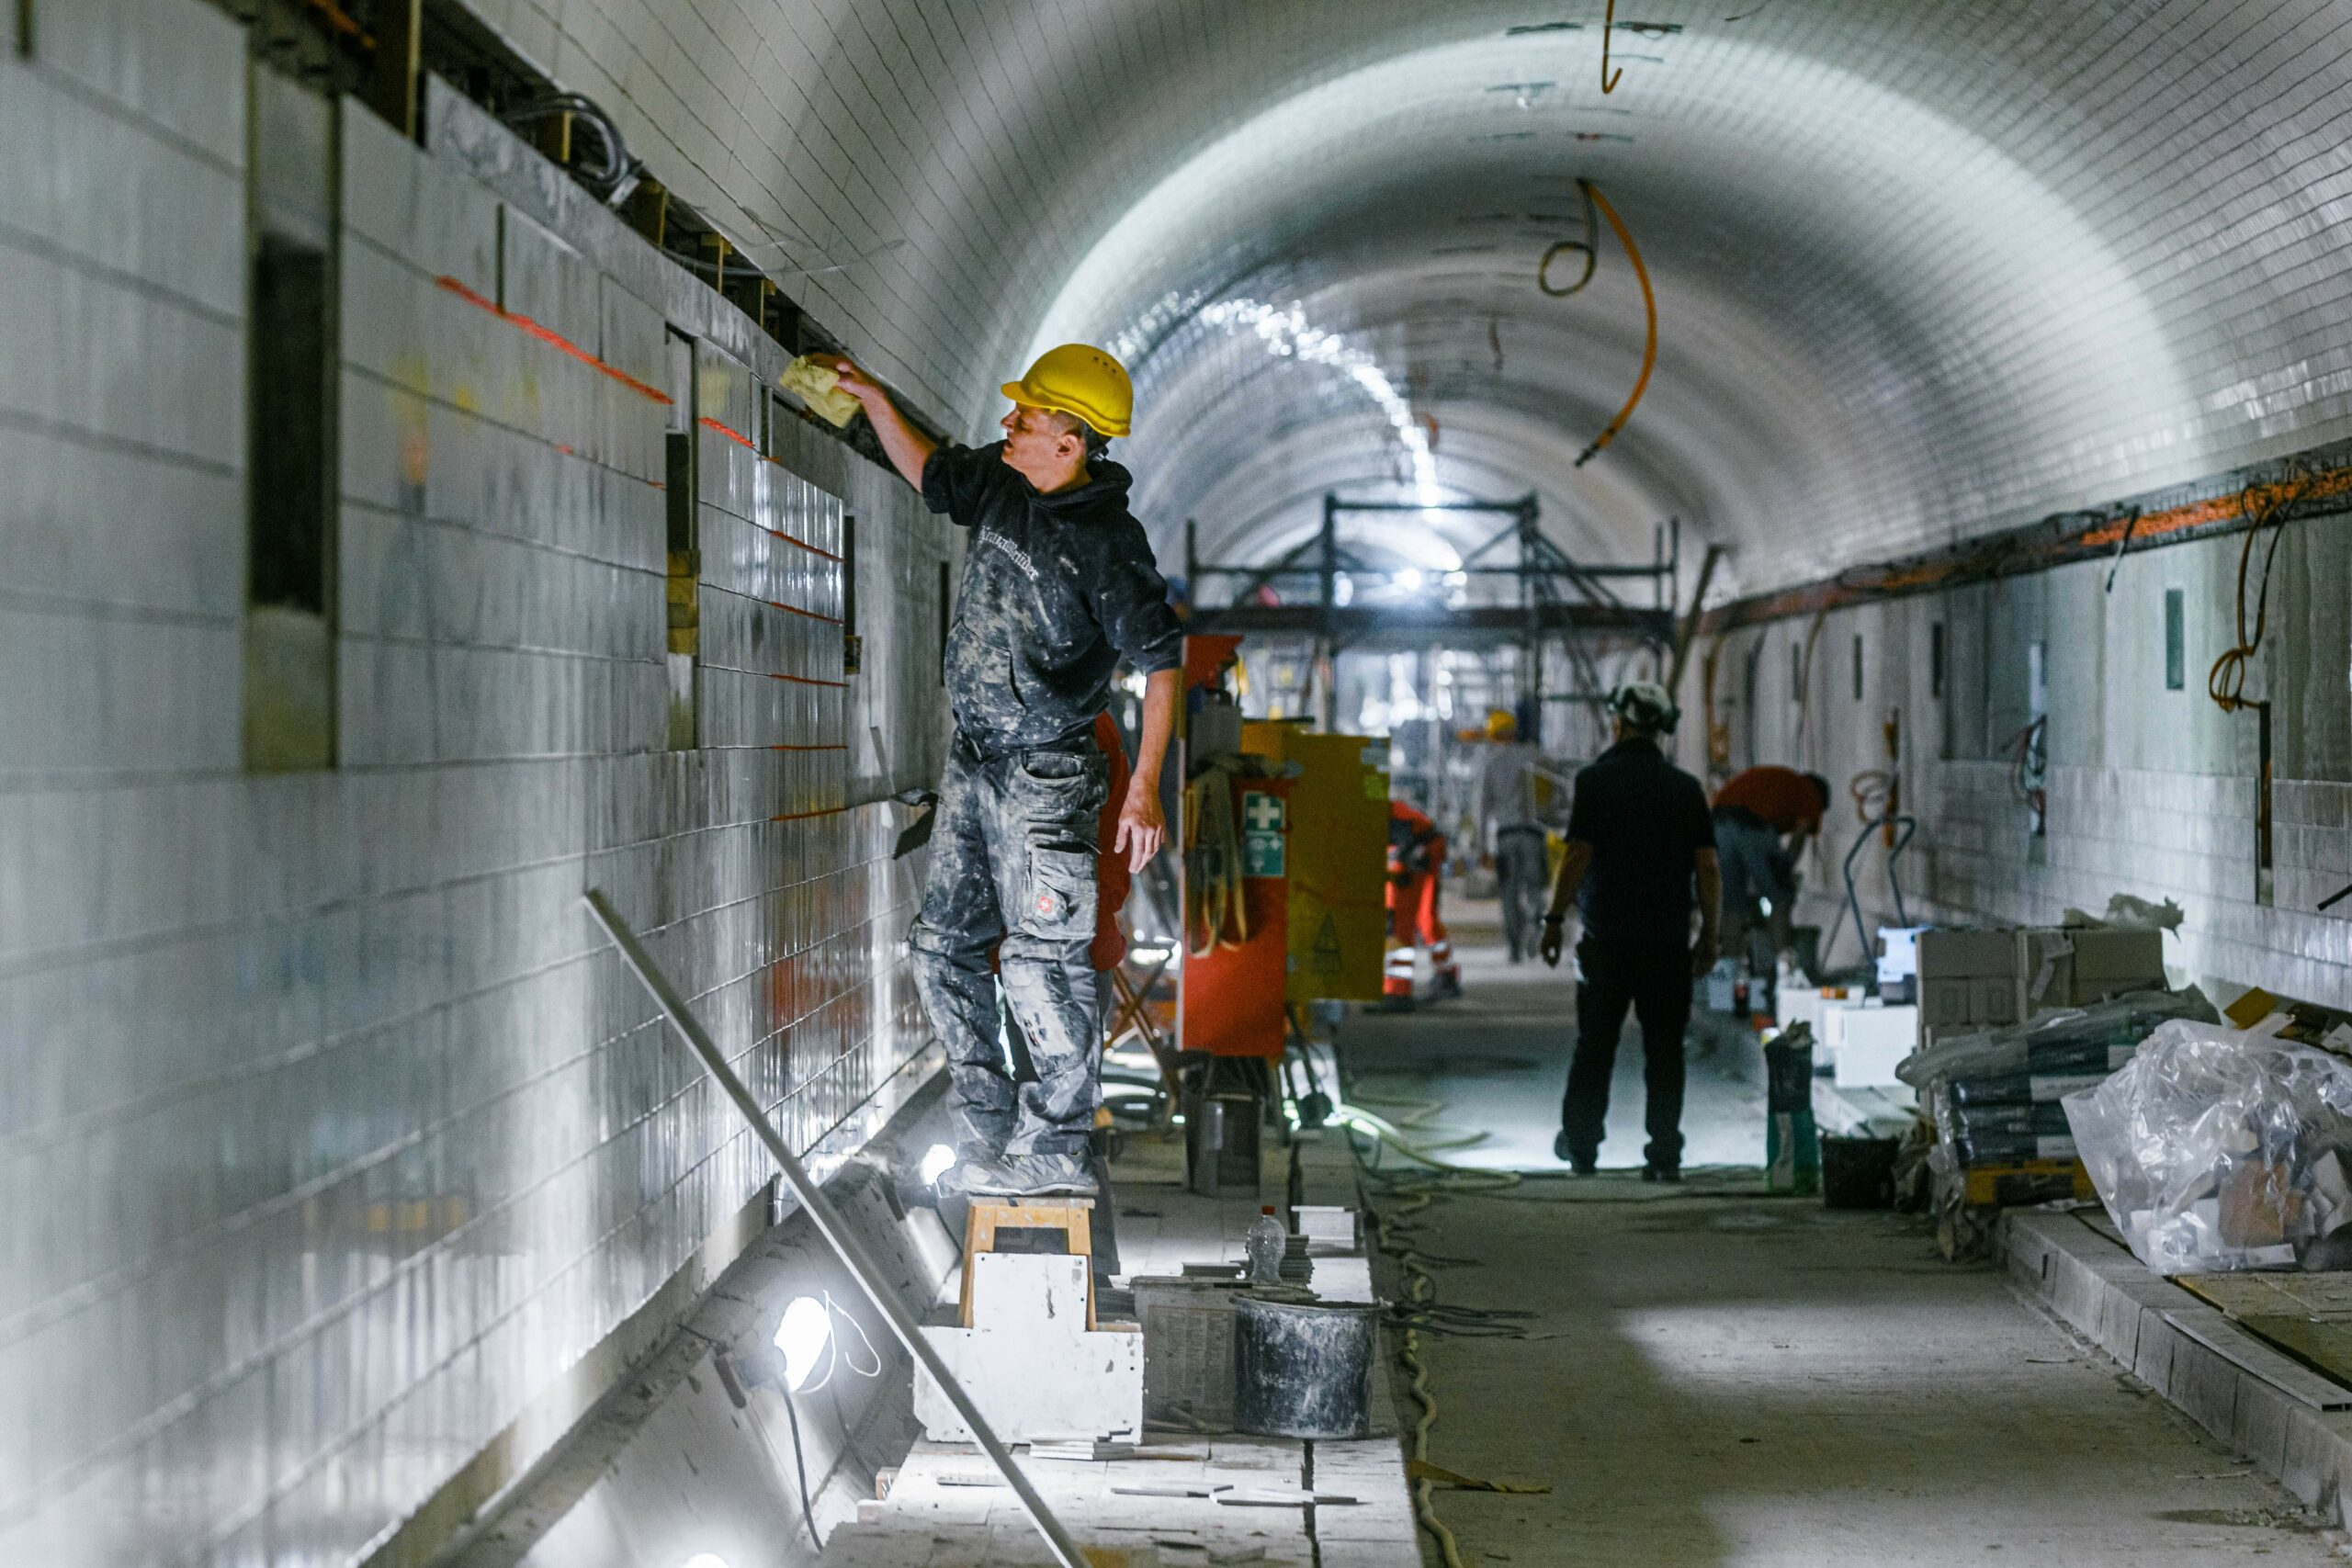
1649	314
799	1466
619	172
1590	246
1213	871
2225	683
1418	1311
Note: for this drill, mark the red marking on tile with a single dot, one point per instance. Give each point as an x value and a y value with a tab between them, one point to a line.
804	544
729	432
796	610
803	680
804	816
554	339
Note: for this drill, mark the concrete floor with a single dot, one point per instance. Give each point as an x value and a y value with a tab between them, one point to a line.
1504	1047
1728	1379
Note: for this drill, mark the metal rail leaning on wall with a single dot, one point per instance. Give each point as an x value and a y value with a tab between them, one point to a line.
833	1228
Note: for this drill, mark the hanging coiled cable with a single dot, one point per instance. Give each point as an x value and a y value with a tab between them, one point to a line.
615	173
2225	683
1649	317
1590	246
1216	913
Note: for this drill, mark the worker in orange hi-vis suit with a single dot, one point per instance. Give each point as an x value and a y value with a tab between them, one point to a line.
1415	866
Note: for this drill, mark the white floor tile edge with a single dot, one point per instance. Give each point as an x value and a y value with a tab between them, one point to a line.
2287	1419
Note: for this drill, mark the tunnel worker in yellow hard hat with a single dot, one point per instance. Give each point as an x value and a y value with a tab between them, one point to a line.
1509	815
1060	587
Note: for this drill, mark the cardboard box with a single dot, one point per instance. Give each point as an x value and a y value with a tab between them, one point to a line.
1967	979
1963	955
2064	966
1870	1041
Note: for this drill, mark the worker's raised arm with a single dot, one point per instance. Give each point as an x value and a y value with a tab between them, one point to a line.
908	448
1711	897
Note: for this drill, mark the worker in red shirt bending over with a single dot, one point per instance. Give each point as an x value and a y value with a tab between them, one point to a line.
1763	819
1415	864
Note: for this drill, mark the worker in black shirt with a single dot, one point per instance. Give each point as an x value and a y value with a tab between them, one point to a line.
1059	585
1639	838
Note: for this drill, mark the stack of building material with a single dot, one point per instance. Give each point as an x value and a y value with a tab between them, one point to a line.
2002	1137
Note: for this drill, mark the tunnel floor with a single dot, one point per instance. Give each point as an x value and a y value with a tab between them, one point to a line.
1716	1377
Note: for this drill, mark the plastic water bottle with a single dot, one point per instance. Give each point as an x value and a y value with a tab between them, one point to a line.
1267	1242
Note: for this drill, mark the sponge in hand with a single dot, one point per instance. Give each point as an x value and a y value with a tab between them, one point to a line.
815	383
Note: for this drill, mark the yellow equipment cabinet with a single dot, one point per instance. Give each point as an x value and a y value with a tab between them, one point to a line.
1338	858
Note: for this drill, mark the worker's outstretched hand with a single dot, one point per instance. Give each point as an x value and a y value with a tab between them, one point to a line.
857	382
1142	824
1552	942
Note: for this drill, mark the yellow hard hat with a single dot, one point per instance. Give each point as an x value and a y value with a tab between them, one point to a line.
1079	378
1500	725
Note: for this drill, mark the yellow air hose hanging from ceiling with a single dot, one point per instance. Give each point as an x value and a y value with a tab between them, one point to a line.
1649	312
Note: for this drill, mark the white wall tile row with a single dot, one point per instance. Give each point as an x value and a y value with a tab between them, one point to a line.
329	1132
2151	791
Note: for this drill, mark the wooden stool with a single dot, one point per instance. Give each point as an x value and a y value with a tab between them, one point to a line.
1072	1216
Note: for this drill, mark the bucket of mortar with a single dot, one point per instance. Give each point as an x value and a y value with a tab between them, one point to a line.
1304	1369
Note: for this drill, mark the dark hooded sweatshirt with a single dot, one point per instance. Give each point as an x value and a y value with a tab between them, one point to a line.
1056	589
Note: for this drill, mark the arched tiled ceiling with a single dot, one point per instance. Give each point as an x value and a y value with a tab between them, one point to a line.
1924	268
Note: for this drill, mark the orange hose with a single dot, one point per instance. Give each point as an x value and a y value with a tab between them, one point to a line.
1649	311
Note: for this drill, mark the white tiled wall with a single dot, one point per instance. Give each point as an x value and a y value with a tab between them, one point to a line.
2150	792
330	1137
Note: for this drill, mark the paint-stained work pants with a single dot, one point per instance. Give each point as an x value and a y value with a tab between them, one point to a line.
1013	855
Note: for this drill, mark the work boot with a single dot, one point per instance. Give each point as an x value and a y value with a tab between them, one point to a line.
1670	1173
1583	1165
1030	1175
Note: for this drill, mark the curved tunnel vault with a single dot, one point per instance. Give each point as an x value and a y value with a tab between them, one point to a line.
1877	328
348	1165
1923	270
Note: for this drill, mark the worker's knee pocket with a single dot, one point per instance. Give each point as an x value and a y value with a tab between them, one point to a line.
1058	893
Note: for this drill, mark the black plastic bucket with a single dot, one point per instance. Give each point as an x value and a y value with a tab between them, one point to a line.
1857	1173
1303	1370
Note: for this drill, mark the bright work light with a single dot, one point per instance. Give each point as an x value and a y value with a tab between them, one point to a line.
803	1334
935	1164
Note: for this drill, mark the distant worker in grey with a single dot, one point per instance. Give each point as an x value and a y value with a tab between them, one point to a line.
1515	837
1059	585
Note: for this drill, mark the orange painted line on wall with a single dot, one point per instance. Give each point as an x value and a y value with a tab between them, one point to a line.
804	816
804	544
803	680
796	610
731	433
554	339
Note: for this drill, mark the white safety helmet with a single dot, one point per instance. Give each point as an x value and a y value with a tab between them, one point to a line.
1643	706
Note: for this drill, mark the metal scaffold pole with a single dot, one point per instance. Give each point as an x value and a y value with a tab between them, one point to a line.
833	1228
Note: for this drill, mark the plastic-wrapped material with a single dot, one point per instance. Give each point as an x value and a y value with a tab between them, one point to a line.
2215	1149
2076	1040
